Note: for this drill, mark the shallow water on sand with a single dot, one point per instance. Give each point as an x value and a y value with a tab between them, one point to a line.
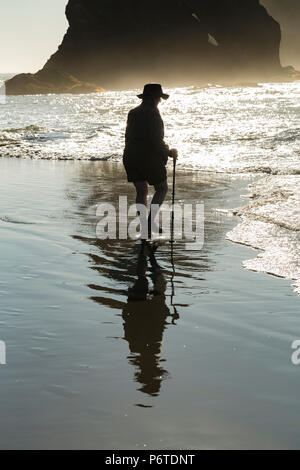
204	362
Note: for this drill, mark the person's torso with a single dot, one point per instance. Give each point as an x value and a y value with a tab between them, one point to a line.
145	131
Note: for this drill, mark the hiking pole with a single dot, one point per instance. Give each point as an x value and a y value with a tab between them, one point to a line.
173	201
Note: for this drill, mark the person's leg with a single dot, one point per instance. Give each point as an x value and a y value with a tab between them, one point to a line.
161	191
141	192
141	198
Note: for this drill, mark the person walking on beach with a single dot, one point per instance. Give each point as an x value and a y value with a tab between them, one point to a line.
146	153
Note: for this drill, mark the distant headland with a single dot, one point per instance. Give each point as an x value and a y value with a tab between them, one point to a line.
120	44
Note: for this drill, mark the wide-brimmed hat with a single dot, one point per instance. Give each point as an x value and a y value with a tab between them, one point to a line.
155	90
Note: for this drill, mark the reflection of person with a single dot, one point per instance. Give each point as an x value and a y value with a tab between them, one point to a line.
145	319
146	154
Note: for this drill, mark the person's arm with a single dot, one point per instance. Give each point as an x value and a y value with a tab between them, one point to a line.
157	135
173	153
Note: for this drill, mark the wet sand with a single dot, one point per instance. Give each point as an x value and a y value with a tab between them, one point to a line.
203	363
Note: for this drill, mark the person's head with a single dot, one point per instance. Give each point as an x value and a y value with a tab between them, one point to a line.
153	94
153	100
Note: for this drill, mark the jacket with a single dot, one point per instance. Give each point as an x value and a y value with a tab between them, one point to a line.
144	137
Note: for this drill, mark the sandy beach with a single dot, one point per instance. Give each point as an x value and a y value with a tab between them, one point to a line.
203	364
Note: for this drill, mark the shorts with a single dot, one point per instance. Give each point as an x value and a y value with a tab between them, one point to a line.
154	174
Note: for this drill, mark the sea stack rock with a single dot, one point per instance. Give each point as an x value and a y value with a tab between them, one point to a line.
121	44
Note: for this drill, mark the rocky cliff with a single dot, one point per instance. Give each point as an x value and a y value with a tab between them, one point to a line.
117	44
288	15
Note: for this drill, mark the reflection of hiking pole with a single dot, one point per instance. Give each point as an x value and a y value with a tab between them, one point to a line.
175	315
173	201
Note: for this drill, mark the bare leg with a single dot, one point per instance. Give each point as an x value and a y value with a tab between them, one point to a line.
161	191
141	198
141	192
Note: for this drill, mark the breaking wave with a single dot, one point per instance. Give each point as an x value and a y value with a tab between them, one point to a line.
271	223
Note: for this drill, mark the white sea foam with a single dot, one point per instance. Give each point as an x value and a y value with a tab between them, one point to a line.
233	129
271	223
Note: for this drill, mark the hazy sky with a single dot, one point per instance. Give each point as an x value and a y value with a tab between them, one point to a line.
31	30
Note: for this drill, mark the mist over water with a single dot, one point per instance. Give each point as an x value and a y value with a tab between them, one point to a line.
250	130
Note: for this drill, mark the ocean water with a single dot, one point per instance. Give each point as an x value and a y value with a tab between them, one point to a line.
252	131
